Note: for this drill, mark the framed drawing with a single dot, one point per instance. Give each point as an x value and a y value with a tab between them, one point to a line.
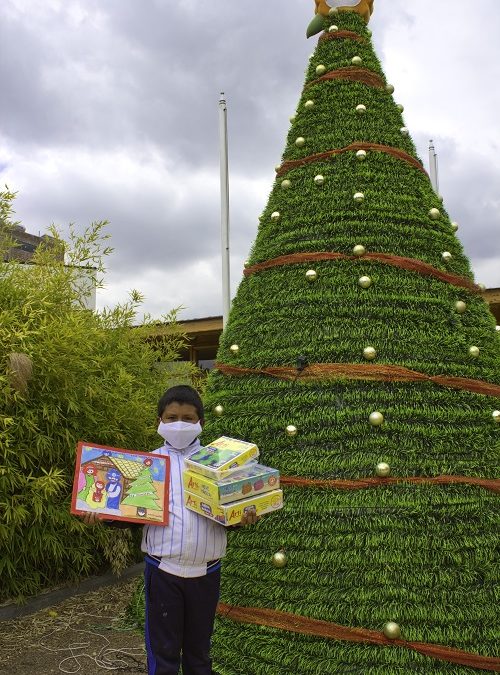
119	484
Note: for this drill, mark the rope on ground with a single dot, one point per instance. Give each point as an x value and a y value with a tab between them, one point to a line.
80	652
90	648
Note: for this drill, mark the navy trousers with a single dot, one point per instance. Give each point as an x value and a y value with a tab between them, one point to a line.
180	615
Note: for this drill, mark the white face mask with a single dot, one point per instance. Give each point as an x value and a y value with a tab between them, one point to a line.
179	435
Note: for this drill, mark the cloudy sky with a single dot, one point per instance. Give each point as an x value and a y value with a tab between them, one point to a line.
109	110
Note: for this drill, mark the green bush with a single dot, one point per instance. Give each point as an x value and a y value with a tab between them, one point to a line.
66	374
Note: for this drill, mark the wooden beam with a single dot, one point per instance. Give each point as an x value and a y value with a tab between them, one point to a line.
492	295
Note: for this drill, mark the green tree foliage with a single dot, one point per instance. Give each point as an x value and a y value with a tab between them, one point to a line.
422	555
66	374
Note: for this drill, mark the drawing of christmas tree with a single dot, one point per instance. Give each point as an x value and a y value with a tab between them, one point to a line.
362	360
142	493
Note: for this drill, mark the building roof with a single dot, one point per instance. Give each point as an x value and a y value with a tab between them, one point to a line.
130	469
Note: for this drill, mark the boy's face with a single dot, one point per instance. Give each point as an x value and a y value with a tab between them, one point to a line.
180	412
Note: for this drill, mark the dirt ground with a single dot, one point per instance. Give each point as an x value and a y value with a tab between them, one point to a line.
82	634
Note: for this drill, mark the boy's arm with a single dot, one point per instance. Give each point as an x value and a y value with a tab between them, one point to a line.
90	518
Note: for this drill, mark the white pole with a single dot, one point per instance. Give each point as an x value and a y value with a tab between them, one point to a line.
433	167
224	195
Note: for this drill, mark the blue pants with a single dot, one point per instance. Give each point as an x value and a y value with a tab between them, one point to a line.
180	615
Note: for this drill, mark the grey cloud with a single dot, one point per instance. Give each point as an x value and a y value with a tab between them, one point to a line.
150	73
148	228
141	80
469	183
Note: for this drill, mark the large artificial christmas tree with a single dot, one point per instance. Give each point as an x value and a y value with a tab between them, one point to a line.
362	360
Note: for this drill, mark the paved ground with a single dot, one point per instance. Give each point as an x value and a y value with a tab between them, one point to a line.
76	634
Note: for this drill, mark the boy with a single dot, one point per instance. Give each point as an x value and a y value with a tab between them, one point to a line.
183	560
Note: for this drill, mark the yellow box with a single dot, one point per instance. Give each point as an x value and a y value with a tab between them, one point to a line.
231	514
217	459
249	480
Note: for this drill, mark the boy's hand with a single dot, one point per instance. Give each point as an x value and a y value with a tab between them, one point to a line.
90	518
250	517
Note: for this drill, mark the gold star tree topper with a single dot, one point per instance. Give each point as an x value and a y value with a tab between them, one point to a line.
323	8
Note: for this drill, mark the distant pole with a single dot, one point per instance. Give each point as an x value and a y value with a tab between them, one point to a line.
433	164
224	197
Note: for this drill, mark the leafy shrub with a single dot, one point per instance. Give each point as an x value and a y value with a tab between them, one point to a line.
67	373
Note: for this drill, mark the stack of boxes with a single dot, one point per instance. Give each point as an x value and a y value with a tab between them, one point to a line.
222	481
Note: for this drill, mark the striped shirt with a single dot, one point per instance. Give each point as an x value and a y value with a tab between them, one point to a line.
189	541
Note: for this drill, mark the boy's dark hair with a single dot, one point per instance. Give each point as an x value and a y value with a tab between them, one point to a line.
182	393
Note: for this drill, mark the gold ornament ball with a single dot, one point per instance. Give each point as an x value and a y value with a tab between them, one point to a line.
333	29
321	69
404	131
474	351
460	306
365	282
383	469
376	419
300	142
234	349
482	287
291	430
446	256
435	213
370	353
277	167
311	275
400	107
218	410
361	155
496	416
332	11
454	226
389	88
246	263
279	559
392	630
319	179
292	119
361	109
309	104
359	197
497	328
286	184
359	250
275	215
356	60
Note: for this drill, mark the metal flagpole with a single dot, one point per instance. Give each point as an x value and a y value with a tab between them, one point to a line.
433	167
224	195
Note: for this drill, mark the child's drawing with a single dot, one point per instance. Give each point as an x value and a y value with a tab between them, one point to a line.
121	484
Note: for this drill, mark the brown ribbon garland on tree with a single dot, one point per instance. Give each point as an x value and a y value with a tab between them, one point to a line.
352	147
262	616
492	484
341	34
362	371
410	264
353	74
